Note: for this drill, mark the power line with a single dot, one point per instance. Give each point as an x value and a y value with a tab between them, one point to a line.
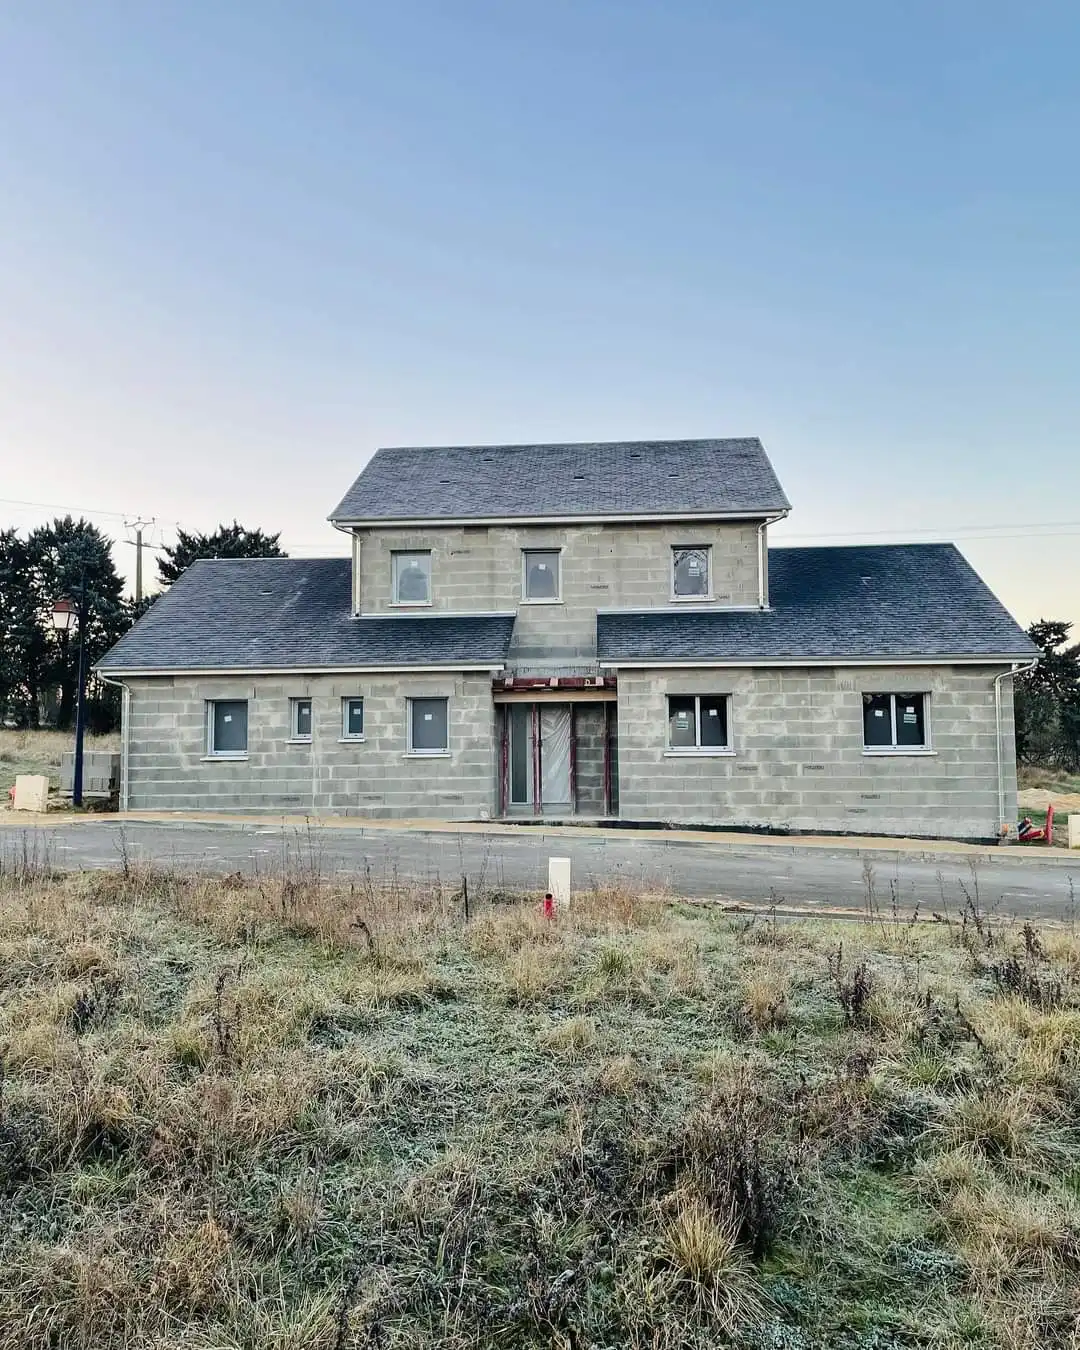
1006	530
57	506
1018	530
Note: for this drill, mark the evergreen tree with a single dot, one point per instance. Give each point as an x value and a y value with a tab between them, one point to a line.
59	555
1048	700
18	627
227	541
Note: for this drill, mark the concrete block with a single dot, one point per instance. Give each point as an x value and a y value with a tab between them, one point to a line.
31	792
1074	831
101	772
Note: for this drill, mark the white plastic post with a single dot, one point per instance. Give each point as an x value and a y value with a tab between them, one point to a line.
1074	831
559	881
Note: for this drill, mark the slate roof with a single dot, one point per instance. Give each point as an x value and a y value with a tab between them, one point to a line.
291	613
903	600
634	478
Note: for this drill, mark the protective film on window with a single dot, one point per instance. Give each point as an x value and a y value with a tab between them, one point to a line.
910	724
682	716
429	724
541	575
412	578
229	727
691	571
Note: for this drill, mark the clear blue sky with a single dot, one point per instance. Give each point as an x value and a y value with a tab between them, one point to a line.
242	244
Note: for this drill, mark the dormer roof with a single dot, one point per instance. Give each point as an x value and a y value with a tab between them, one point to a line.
629	480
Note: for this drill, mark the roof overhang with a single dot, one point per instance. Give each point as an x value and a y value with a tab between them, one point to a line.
623	518
234	671
779	662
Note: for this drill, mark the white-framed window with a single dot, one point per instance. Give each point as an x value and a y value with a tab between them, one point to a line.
540	575
690	567
227	728
352	719
410	577
699	723
896	722
429	726
300	719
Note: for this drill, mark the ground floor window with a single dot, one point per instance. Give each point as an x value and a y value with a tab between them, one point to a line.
894	721
352	719
428	726
300	719
227	727
698	722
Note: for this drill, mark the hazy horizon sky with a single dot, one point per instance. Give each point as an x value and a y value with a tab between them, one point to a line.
244	244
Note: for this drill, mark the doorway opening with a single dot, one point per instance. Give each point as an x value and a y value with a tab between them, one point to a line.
558	758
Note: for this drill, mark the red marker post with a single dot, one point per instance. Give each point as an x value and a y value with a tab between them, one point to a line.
549	906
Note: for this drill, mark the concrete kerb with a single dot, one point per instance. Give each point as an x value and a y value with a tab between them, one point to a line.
728	845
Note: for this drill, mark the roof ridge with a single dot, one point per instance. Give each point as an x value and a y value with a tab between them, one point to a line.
570	445
276	557
901	543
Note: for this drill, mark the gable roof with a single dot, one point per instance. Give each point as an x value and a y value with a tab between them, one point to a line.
898	601
248	614
589	480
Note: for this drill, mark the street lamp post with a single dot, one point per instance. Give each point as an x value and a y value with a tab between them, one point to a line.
65	615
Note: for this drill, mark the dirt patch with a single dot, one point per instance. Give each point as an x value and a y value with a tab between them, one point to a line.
1038	799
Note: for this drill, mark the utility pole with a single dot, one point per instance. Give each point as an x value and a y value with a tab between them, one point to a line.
138	526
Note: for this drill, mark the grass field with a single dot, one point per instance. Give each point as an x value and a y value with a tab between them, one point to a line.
1051	780
40	752
300	1114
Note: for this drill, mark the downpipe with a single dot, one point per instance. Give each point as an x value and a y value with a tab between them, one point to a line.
125	734
1005	827
762	599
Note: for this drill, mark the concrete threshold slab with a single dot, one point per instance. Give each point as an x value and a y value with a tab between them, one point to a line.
731	844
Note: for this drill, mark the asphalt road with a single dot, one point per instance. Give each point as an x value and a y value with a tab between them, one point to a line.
811	879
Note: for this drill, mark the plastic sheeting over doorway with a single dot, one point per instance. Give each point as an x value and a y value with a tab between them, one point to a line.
540	733
555	755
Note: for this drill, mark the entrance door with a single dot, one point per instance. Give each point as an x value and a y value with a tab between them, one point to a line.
555	755
553	726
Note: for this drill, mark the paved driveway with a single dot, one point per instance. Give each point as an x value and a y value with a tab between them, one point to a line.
811	879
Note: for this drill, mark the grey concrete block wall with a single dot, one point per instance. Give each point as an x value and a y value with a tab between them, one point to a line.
798	761
589	735
602	566
168	767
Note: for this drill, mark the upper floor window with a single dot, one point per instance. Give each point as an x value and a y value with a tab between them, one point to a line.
411	578
894	722
541	573
300	719
227	727
690	572
698	722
